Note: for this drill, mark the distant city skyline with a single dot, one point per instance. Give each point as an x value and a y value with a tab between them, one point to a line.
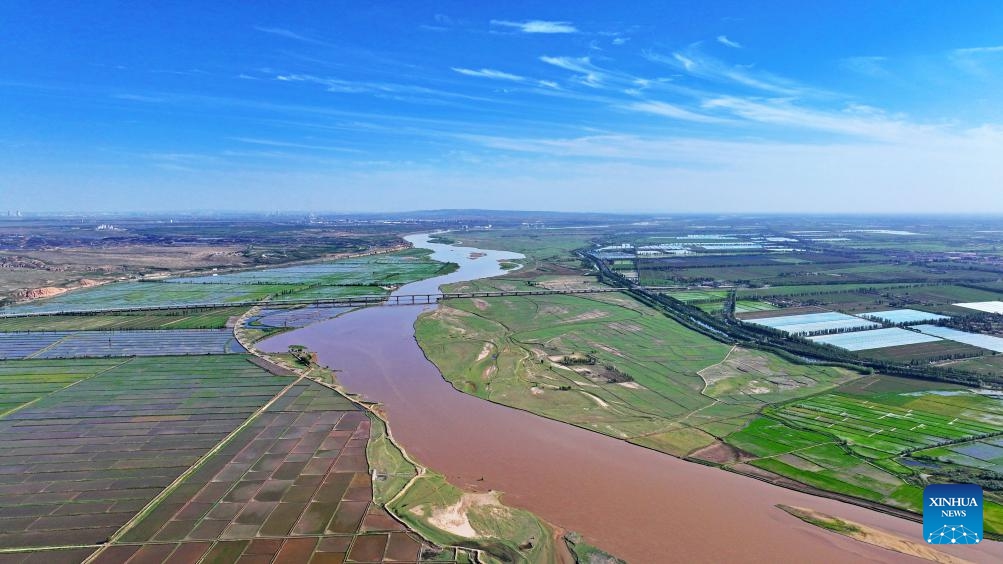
723	107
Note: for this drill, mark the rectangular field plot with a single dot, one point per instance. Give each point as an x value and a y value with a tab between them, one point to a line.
974	339
95	344
986	454
298	476
874	339
924	352
22	345
868	425
810	323
25	381
896	316
696	296
749	306
150	294
989	307
81	461
178	319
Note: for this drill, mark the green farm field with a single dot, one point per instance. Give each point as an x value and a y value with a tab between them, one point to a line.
861	442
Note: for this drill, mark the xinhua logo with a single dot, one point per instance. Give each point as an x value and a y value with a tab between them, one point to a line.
952	514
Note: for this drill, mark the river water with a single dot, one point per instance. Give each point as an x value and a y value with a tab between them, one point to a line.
641	505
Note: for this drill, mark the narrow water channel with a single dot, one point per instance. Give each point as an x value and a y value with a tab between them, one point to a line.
641	505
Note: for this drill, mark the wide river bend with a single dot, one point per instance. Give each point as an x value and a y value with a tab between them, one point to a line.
639	504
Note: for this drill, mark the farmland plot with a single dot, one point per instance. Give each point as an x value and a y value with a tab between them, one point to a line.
94	344
871	426
215	318
297	476
88	457
294	317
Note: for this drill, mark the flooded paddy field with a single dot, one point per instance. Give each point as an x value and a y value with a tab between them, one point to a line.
131	462
80	462
97	344
215	318
275	318
293	485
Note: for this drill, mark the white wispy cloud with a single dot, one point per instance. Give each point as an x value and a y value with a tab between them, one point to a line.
723	40
854	120
490	73
140	98
588	74
687	62
576	64
293	145
288	34
979	50
675	112
695	63
974	59
537	26
694	174
391	90
620	40
869	66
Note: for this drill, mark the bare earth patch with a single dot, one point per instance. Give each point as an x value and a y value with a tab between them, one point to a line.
631	385
609	349
454	518
484	352
598	401
626	327
587	316
721	453
565	282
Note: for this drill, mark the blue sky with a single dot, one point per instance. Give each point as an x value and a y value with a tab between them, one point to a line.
633	106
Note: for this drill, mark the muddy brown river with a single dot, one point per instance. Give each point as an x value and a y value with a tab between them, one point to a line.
638	504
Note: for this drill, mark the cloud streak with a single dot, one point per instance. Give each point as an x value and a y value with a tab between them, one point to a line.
537	26
972	59
674	112
588	74
711	69
282	32
723	40
490	73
